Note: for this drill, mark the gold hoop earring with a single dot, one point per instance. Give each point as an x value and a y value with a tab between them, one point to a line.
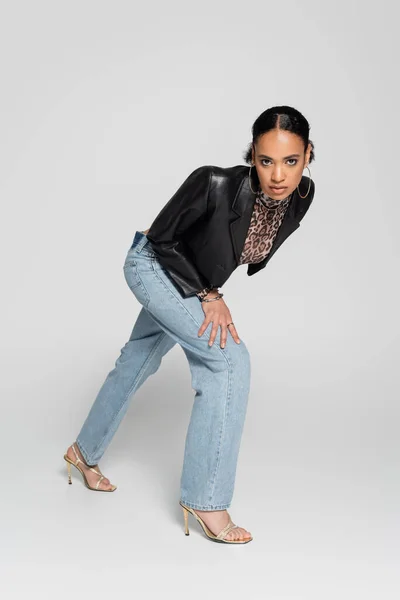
309	185
250	179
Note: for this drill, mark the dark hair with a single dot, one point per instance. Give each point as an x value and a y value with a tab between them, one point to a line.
280	117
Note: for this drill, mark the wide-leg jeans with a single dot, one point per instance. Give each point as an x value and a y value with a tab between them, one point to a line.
220	379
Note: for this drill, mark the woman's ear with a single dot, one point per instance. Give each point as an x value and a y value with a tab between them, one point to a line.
308	153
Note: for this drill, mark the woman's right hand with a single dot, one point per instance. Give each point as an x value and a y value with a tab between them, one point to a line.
219	315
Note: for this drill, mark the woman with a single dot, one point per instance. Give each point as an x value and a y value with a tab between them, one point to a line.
218	219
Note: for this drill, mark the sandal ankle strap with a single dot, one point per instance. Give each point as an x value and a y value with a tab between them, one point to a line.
78	460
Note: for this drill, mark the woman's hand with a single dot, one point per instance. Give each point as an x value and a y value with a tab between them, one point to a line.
218	313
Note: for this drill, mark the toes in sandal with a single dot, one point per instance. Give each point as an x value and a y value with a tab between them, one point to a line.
215	538
76	464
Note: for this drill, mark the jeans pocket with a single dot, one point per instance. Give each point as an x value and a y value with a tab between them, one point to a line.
131	274
135	283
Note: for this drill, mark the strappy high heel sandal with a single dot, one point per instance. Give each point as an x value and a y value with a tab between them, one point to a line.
215	538
76	463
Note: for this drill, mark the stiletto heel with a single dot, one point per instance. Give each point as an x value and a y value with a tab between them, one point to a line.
215	538
186	520
76	464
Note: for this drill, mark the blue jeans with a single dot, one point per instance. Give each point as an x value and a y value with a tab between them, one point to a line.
220	379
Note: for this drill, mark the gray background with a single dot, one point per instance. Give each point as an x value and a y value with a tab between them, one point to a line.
106	107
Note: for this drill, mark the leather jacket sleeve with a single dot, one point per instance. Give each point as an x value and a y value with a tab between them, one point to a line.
187	205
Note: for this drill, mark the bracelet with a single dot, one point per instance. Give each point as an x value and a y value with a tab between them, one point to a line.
212	299
205	291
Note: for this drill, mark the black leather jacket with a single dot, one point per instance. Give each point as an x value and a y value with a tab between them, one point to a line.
198	236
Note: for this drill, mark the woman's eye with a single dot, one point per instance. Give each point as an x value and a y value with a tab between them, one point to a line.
294	161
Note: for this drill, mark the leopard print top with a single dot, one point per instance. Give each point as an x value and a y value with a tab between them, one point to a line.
264	224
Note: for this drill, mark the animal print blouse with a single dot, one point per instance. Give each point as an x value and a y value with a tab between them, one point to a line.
265	221
264	224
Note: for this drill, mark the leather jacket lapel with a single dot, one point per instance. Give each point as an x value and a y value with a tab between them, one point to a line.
243	205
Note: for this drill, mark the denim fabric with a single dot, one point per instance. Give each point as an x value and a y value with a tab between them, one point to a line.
220	379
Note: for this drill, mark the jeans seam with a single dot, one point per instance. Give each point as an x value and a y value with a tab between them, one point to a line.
228	395
176	298
150	356
221	435
189	314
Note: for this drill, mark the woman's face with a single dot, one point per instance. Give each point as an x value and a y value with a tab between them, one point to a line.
279	159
